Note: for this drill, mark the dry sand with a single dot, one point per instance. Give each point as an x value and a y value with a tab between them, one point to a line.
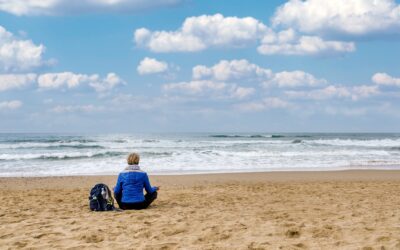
308	210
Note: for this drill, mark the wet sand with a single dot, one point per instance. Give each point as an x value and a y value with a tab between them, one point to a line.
281	210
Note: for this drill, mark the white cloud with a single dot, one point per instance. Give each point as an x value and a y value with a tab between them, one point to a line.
352	17
231	70
287	42
266	103
16	81
111	81
10	105
76	108
19	55
294	79
385	79
243	70
209	88
241	92
195	87
71	80
201	32
151	66
57	7
354	93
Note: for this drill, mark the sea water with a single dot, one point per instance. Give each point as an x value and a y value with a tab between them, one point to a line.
58	154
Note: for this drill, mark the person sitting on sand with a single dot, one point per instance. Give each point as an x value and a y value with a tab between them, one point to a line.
129	189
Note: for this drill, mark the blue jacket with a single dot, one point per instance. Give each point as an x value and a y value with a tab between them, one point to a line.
130	185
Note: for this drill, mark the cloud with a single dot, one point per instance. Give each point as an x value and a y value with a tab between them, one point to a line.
59	7
287	42
71	80
266	103
209	88
385	79
241	92
195	87
350	17
354	93
10	105
151	66
201	32
18	55
231	70
16	81
111	81
76	109
244	71
294	79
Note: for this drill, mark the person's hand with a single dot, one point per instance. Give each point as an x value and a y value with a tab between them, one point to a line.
157	188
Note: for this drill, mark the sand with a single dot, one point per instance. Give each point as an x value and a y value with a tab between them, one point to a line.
296	210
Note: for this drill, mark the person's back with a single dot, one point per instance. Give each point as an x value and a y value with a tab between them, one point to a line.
129	189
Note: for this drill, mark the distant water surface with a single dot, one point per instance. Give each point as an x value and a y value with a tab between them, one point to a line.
56	154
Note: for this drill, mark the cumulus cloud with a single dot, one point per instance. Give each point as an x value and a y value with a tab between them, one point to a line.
351	17
71	80
16	81
294	79
195	87
209	88
237	92
151	66
10	105
287	42
266	103
58	7
354	92
243	70
231	70
220	81
200	32
385	79
18	55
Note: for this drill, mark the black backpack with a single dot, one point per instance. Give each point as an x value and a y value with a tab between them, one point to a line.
100	198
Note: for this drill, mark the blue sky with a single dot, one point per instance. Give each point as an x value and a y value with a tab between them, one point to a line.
199	66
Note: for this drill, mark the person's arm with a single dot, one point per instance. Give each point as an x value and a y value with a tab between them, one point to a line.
149	189
118	187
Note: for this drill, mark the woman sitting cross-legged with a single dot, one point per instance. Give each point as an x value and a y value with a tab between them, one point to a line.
129	189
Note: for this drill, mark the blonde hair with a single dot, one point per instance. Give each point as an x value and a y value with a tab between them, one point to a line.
133	159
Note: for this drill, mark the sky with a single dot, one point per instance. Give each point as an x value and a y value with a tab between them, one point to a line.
125	66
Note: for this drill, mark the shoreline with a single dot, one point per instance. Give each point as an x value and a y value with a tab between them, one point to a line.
296	171
87	181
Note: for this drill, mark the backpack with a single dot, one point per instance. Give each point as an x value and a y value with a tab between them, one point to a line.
100	198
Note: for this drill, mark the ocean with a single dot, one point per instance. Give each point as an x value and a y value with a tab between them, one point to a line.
66	154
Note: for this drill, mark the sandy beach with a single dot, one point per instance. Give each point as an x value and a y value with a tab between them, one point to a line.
282	210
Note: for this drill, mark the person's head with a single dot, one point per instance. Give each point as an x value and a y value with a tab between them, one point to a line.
133	159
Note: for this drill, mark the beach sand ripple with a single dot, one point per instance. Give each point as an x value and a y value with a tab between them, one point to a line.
203	212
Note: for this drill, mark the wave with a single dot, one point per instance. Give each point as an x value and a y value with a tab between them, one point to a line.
247	136
42	140
383	143
7	157
150	140
50	147
277	136
119	141
156	153
80	146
